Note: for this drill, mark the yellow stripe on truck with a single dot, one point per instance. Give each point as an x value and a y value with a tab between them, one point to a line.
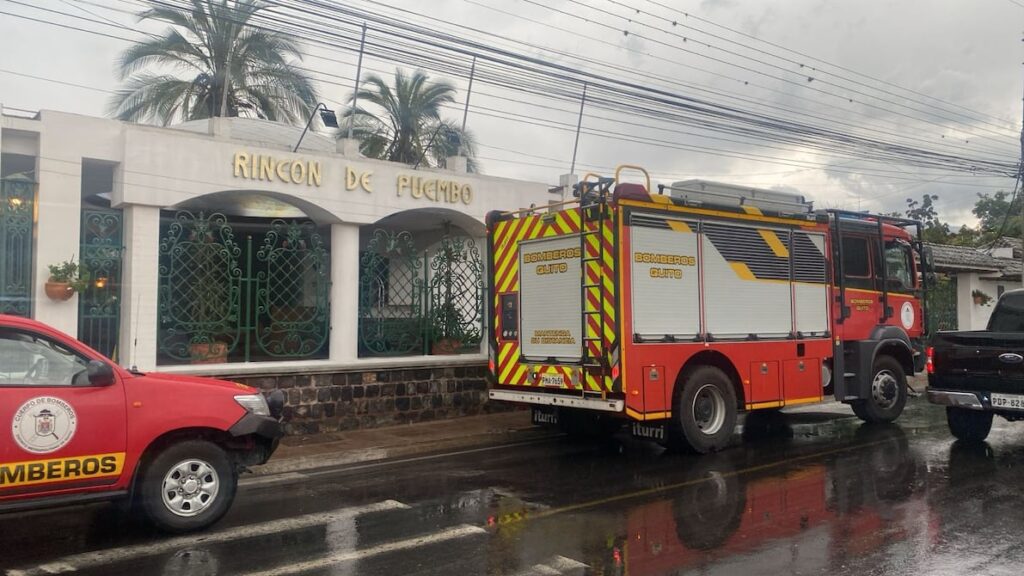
778	248
28	473
679	226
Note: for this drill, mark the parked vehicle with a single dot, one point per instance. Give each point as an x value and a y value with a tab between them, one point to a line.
675	311
82	429
980	373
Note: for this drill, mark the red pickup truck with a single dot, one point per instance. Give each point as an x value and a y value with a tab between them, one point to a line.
75	427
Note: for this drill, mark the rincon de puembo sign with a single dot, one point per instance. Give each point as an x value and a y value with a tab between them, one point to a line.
287	170
435	189
267	168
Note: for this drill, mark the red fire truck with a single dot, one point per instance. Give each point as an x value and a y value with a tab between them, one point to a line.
676	310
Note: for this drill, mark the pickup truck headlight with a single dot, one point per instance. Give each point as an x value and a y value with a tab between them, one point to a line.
254	403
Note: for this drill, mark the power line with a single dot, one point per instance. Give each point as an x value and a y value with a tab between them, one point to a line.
806	85
930	97
546	84
854	128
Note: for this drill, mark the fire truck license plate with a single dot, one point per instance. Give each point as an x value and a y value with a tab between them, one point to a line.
552	380
1011	401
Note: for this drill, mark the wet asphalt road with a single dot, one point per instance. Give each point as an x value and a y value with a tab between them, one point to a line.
814	493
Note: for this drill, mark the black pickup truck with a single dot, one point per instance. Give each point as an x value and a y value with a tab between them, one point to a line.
977	374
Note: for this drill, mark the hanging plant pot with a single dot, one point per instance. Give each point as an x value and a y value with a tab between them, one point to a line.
59	291
978	301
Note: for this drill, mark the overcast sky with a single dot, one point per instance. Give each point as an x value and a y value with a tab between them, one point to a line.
967	53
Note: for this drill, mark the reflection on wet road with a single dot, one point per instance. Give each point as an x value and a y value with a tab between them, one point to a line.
808	493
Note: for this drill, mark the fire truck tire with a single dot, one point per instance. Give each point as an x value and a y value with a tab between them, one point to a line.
969	425
188	486
887	394
705	411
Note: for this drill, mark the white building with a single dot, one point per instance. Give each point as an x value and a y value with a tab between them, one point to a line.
213	248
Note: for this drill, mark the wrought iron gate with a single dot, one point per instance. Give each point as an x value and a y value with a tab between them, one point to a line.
942	306
222	301
411	301
17	200
99	305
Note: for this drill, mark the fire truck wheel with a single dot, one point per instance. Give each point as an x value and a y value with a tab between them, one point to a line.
887	395
705	414
188	486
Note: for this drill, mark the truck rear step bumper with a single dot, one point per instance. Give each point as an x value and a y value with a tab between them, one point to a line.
547	399
958	399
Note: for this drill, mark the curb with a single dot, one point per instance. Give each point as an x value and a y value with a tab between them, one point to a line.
344	456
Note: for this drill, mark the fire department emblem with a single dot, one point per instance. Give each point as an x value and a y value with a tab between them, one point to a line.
907	315
44	424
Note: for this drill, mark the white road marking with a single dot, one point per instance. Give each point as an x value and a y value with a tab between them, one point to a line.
555	566
562	564
109	556
250	481
450	534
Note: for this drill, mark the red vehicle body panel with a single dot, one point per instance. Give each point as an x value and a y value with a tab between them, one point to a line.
114	425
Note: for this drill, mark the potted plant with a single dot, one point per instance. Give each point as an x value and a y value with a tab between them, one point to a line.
65	279
449	330
980	298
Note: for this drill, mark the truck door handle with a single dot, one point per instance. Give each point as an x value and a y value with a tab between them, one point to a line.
1011	358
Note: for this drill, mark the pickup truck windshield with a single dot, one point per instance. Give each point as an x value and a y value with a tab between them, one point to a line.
1008	315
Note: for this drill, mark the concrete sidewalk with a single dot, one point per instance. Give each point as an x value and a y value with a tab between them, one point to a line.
323	450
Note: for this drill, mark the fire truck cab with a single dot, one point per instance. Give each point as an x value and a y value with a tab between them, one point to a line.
675	311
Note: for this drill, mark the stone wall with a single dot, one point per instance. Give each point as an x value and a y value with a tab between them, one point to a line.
346	400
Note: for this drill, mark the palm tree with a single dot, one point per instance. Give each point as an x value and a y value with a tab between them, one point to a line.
409	126
213	47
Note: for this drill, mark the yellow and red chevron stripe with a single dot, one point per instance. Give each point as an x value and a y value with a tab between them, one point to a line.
507	235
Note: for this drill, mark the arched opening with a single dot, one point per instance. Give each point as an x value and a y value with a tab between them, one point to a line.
421	284
244	276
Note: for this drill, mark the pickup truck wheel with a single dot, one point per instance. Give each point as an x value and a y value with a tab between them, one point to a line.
705	411
188	486
887	394
969	425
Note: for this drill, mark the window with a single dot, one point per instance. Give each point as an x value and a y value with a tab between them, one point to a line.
899	274
30	360
857	263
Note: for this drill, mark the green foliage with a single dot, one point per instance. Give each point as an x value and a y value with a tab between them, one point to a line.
925	212
447	323
407	125
212	48
71	273
992	211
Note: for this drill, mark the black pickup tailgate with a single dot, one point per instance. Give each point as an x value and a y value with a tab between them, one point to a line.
978	361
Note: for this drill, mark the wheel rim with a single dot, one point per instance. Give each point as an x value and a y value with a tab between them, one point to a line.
885	389
190	488
708	409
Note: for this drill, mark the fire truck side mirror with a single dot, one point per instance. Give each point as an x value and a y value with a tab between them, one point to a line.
929	260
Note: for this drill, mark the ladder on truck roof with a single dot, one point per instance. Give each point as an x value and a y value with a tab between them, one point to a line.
593	197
